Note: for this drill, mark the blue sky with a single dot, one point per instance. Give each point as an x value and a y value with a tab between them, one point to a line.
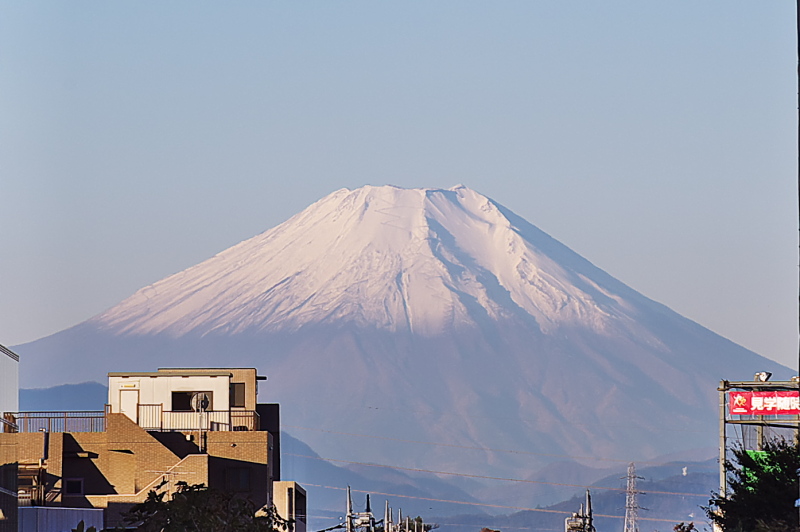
657	139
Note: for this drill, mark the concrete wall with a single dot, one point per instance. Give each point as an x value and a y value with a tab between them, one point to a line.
246	376
291	502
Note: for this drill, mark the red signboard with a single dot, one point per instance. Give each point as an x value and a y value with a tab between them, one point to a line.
785	403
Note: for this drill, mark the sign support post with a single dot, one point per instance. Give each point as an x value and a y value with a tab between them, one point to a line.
755	403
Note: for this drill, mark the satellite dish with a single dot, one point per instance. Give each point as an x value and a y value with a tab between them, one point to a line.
200	401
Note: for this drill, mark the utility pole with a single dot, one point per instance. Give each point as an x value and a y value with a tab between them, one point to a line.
723	437
797	27
387	519
349	518
589	516
631	504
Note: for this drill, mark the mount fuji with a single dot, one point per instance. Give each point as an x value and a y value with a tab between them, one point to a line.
428	328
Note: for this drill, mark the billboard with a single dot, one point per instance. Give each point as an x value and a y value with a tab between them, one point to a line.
782	403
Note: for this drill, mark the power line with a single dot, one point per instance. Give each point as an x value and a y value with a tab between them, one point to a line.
476	447
488	505
659	427
482	477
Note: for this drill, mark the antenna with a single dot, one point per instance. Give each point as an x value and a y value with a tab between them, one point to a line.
200	403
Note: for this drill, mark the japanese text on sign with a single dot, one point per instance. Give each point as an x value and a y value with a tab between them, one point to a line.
786	403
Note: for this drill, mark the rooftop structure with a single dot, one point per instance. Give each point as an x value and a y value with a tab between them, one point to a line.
187	399
168	400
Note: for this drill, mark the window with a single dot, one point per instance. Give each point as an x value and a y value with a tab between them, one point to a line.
73	486
181	401
186	401
237	395
237	479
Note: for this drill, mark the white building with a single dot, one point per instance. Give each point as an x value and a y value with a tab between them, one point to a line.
185	399
9	380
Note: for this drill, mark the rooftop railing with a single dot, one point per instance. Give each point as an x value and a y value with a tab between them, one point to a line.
149	417
81	421
153	417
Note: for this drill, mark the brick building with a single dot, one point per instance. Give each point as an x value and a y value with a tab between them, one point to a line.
9	401
193	425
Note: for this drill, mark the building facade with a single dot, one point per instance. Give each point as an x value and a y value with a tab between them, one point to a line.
9	402
187	399
9	380
199	426
290	501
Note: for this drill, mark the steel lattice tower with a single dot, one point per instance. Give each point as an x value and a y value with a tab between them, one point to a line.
631	504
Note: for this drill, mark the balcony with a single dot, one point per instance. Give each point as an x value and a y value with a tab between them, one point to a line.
154	417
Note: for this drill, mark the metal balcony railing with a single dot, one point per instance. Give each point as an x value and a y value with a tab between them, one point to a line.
150	417
153	417
82	421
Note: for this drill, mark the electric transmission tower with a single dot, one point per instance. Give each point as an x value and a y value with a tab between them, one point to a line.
631	504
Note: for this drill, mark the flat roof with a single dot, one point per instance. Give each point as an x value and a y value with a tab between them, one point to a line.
173	370
185	373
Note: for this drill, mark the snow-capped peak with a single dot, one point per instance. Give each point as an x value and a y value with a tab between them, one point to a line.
423	260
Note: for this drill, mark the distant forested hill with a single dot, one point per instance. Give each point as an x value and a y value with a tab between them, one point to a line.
84	396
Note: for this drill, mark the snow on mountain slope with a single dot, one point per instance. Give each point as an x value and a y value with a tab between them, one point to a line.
417	260
387	316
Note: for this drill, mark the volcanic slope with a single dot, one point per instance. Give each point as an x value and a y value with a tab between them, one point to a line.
425	327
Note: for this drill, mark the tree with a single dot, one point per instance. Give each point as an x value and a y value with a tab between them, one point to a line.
82	528
196	508
682	527
762	490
